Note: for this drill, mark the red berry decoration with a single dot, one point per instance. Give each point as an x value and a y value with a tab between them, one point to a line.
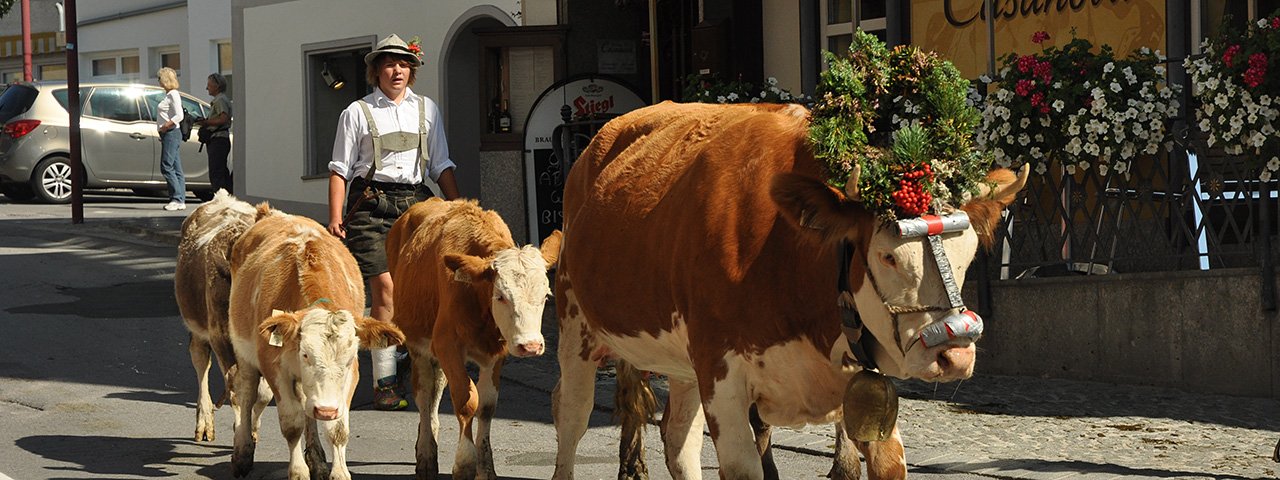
911	197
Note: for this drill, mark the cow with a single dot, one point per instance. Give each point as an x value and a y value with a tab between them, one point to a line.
202	286
297	320
464	292
700	242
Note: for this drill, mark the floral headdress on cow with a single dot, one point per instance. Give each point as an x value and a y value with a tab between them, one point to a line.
899	120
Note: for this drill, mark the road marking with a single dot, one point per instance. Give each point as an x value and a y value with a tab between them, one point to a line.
4	477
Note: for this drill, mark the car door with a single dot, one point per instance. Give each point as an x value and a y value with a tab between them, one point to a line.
119	145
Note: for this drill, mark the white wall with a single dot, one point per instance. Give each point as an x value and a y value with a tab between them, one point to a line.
270	99
192	29
782	43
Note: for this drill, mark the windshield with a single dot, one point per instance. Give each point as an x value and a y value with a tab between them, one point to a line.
15	100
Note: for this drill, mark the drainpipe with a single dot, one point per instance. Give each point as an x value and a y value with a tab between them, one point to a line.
26	40
73	108
653	51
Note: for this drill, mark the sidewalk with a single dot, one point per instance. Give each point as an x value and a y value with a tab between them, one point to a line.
1013	427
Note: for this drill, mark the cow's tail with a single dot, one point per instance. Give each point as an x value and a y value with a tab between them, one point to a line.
228	379
635	406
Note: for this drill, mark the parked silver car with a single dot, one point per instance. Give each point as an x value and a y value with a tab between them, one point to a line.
119	143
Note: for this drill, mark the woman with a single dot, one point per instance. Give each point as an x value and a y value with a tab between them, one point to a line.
385	178
218	122
168	116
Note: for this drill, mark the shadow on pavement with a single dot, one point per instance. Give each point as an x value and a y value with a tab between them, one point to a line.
99	455
146	299
169	398
1067	466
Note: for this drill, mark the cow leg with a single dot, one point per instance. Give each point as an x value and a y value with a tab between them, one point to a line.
462	391
574	395
428	387
293	425
764	443
726	405
846	465
200	356
634	406
338	431
263	398
682	430
246	381
314	453
885	460
488	385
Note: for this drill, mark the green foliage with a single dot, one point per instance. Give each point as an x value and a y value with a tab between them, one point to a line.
901	115
711	89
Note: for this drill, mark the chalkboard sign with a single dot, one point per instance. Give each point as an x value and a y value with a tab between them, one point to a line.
585	96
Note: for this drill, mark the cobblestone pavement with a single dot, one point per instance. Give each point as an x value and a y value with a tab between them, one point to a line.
1019	427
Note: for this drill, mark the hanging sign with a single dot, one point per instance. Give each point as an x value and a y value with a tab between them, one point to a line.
585	96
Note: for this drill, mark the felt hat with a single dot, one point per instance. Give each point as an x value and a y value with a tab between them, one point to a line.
394	45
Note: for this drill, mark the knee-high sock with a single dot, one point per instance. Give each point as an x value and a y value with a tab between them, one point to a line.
384	362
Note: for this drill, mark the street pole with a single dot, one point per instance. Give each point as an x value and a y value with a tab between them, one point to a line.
653	51
73	108
26	40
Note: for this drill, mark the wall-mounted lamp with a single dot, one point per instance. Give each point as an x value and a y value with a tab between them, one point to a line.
333	81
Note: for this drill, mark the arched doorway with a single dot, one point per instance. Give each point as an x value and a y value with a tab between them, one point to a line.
460	92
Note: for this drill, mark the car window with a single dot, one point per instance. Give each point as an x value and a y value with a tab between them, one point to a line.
113	103
15	100
194	106
61	96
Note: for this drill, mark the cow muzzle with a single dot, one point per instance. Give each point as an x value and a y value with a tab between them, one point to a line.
527	346
324	413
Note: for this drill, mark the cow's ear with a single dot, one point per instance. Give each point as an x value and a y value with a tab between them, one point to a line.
375	333
815	207
281	326
999	191
551	248
469	268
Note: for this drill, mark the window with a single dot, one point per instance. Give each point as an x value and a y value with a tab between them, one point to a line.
513	59
223	64
841	16
104	67
113	103
10	77
53	72
130	66
172	60
340	60
1208	16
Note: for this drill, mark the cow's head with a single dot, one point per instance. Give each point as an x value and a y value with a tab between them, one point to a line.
514	282
896	285
319	350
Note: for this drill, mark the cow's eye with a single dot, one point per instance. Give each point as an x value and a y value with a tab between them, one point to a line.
306	357
889	260
502	298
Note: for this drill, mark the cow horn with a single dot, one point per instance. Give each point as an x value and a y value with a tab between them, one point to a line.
851	185
985	190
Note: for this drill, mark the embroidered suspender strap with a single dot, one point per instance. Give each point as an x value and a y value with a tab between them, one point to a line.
377	139
423	155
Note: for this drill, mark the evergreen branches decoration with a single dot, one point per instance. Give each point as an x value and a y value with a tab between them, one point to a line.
901	115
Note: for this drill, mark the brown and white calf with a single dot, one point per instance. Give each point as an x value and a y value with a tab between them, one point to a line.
202	286
297	303
700	242
464	292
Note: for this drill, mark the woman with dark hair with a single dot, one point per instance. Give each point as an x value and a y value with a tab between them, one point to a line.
217	127
387	145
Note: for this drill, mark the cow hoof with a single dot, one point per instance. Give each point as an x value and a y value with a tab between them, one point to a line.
204	432
241	464
465	472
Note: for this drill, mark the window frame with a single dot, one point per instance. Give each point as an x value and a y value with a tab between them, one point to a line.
316	158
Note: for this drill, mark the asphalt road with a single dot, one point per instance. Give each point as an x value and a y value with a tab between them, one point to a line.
96	381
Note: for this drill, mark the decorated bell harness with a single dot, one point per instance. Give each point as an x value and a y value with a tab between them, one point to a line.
962	324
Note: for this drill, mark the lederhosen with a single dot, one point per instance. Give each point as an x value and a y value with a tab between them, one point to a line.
372	207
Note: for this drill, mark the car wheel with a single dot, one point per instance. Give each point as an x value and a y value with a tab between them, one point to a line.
51	180
17	192
203	195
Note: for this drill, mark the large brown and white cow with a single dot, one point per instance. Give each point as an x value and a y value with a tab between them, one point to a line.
202	286
464	292
700	243
297	304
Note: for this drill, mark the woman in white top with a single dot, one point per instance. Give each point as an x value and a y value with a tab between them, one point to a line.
168	117
387	145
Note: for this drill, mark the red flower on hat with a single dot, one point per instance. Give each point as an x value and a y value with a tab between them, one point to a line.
415	47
